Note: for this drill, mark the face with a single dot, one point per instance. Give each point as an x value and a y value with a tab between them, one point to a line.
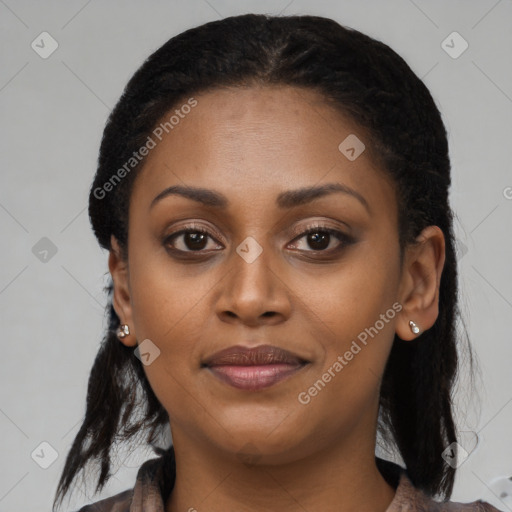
237	267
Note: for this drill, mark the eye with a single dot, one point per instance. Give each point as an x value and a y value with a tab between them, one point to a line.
191	239
320	239
195	239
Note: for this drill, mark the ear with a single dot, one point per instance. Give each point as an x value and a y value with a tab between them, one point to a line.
419	285
121	299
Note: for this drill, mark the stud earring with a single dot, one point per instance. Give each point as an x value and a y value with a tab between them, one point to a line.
414	328
123	331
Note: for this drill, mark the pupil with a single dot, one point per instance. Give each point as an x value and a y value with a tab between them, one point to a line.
197	239
315	239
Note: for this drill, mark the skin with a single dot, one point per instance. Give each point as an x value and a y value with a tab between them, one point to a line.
251	144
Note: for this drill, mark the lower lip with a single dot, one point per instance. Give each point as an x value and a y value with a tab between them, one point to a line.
252	378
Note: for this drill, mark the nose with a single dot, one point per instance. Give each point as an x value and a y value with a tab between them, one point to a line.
254	292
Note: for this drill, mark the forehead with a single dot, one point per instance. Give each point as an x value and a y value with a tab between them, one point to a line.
254	139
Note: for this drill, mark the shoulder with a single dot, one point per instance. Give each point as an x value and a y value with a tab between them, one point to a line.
118	503
414	500
477	506
154	481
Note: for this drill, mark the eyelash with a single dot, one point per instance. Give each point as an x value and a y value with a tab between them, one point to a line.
343	238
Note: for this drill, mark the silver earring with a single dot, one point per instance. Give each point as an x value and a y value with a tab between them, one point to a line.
123	331
414	328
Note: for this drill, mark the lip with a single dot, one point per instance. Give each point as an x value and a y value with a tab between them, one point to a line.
254	368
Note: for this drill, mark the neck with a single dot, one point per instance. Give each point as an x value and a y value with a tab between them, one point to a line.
342	478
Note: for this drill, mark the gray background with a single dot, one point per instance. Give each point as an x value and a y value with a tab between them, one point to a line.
53	111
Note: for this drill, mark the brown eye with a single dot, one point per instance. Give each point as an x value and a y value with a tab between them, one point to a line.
192	240
319	238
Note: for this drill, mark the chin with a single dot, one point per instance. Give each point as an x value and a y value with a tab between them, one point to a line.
262	447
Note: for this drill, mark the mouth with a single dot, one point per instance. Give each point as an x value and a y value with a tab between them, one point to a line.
255	368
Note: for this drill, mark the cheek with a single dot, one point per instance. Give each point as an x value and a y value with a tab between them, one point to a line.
345	386
354	315
169	308
166	298
345	302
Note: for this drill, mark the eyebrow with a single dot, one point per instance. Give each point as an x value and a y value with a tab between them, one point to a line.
287	199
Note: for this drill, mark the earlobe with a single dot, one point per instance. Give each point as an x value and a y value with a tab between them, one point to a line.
421	279
121	300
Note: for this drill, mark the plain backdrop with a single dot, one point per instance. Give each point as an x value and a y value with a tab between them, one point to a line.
52	113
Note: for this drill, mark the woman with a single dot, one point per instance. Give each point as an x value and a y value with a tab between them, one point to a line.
273	193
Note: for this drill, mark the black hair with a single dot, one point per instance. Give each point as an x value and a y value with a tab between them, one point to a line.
365	80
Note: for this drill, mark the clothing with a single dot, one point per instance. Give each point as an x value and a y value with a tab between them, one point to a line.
156	478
